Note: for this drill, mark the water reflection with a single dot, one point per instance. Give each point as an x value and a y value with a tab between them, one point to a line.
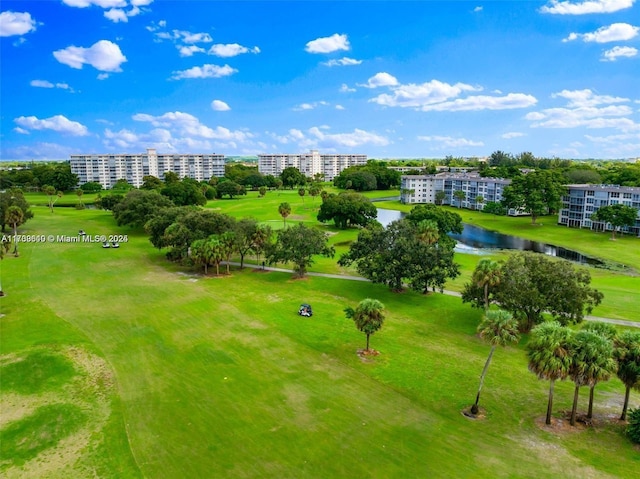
477	240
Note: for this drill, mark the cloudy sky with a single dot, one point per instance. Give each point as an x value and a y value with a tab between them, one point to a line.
387	79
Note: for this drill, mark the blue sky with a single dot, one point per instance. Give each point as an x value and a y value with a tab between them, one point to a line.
387	79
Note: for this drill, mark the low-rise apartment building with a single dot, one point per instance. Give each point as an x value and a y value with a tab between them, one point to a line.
423	189
581	201
309	164
107	169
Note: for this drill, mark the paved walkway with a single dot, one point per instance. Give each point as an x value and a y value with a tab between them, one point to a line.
619	322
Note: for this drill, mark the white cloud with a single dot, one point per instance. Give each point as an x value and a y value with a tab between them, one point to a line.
585	109
412	95
58	123
347	140
189	126
230	50
219	105
103	55
187	51
116	15
511	134
22	131
16	23
48	84
339	107
381	79
102	76
41	151
182	36
328	44
344	88
99	3
613	33
478	9
205	71
619	52
450	142
344	61
484	102
585	6
310	106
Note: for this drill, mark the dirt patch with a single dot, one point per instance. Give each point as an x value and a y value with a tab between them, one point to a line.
479	416
562	425
367	355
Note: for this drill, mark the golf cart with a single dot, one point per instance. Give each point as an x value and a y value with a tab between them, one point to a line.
305	310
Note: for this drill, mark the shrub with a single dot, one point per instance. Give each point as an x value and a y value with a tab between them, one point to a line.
633	429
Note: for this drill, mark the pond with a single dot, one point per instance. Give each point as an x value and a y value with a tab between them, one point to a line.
476	240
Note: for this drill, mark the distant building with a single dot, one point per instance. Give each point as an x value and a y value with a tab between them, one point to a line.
107	169
581	201
309	164
423	189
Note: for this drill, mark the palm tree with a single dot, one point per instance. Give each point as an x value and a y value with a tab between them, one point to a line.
487	274
285	210
479	201
549	357
498	328
368	316
5	246
14	217
260	239
80	192
440	196
427	232
627	354
301	192
592	361
460	196
605	365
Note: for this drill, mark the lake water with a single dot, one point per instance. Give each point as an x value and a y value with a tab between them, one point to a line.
476	240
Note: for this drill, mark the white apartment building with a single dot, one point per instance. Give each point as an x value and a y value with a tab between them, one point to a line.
107	169
309	164
581	201
423	189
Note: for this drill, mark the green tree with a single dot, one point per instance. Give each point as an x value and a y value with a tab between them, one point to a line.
479	201
5	246
486	277
298	245
285	210
347	209
633	429
91	187
292	177
549	356
14	217
591	362
122	185
626	352
79	193
440	197
533	283
230	188
261	239
314	191
617	216
262	191
171	177
150	182
368	317
244	235
460	196
536	193
185	192
14	197
53	196
448	222
138	207
228	239
357	179
498	328
301	193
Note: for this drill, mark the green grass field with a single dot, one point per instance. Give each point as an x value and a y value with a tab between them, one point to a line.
145	369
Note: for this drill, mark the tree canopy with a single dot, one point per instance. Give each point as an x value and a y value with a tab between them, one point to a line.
298	245
139	206
10	198
347	209
617	216
536	193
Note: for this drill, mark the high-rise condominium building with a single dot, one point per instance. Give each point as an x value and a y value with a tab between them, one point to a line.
309	164
581	201
108	168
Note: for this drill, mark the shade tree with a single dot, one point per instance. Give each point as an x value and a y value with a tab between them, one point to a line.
536	193
617	216
347	209
298	245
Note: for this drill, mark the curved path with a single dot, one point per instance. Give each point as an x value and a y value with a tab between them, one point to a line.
619	322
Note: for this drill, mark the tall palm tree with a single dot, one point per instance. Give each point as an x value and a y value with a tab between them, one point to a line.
605	364
627	354
368	316
487	275
427	232
498	328
14	217
549	357
591	362
285	210
460	196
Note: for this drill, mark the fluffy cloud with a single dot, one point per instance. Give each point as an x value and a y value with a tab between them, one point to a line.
613	33
511	134
219	105
478	9
328	44
310	106
189	126
189	50
380	79
58	123
182	36
230	50
48	84
103	55
585	6
435	95
99	3
344	88
344	61
585	109
116	8
16	23
619	52
450	142
205	71
116	15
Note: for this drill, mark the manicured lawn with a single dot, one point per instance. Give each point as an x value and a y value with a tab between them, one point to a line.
219	377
